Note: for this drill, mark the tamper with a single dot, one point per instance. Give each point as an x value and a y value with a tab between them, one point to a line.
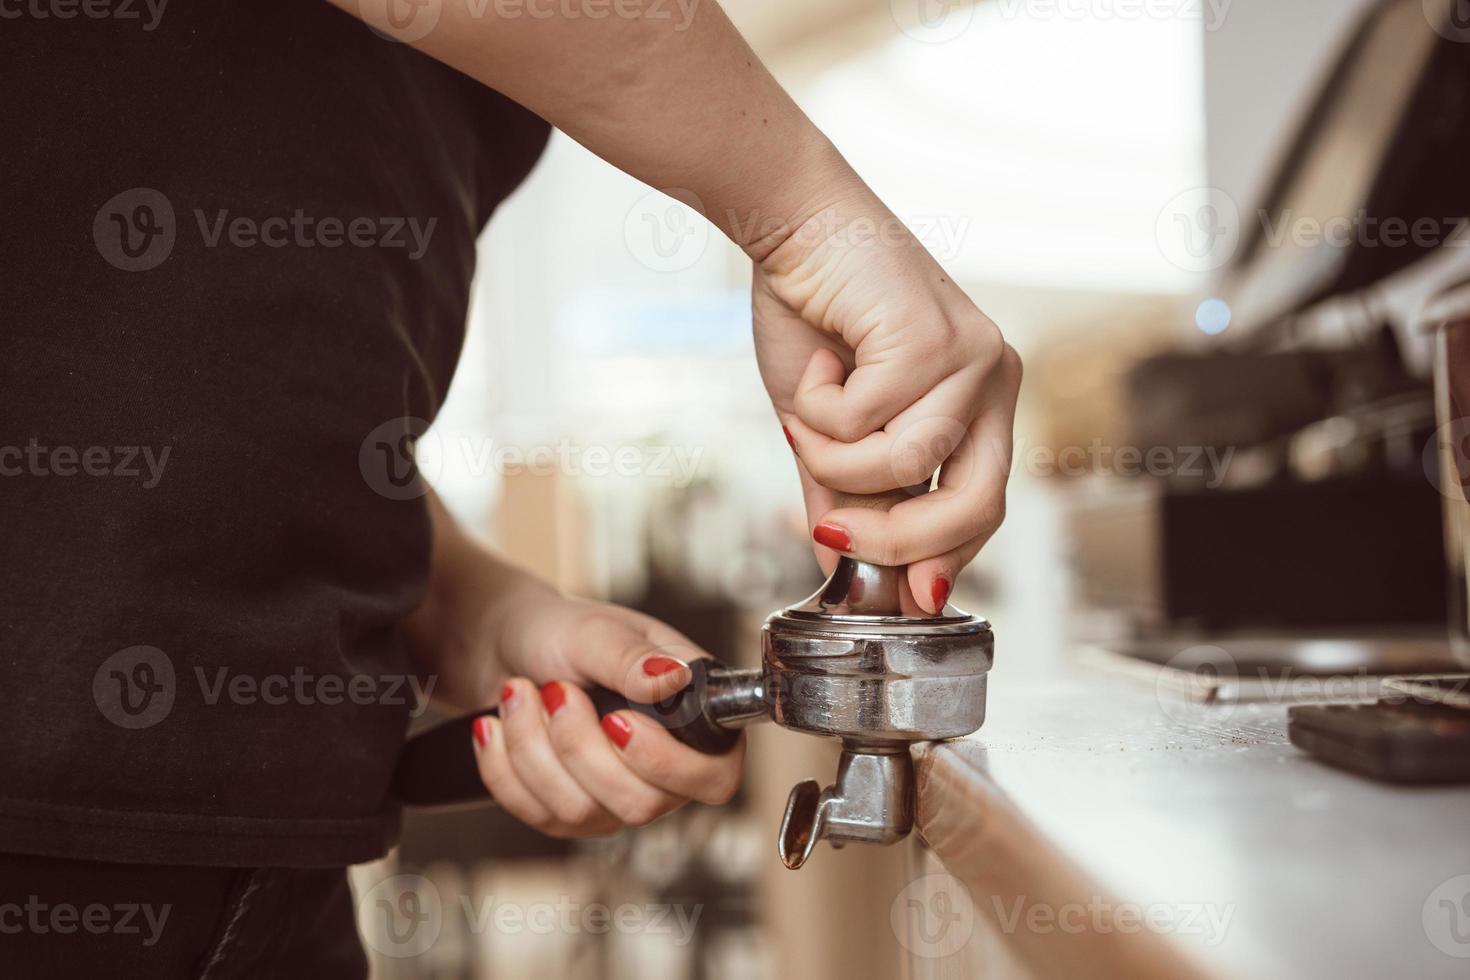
858	661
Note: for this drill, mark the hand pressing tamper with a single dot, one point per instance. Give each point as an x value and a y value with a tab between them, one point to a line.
858	660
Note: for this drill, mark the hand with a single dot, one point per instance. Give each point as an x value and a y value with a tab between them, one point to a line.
882	371
549	762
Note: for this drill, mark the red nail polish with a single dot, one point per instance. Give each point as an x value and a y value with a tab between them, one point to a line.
789	441
482	731
507	695
553	697
832	536
939	592
659	666
617	729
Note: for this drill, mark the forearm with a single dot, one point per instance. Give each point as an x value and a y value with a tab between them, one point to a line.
457	633
673	97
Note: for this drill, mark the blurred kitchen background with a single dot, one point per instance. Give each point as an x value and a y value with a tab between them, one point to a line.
1222	434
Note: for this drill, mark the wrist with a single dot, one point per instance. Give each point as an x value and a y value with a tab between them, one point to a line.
462	632
814	180
848	218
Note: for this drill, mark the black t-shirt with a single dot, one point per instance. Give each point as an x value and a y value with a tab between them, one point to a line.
238	238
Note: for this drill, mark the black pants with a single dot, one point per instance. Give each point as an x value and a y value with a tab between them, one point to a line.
87	920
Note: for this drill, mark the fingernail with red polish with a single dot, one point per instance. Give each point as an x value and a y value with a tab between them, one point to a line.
832	536
553	697
939	592
482	731
790	441
659	666
507	696
617	729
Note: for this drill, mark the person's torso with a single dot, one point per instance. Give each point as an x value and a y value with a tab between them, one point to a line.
238	244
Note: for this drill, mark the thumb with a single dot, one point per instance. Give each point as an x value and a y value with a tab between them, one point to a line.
642	667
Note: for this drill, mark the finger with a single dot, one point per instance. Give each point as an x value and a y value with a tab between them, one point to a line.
818	500
904	452
893	370
583	747
849	405
643	660
968	503
661	760
528	744
501	780
932	579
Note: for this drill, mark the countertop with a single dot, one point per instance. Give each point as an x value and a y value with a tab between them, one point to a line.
1262	861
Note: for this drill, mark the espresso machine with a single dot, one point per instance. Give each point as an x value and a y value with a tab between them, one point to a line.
856	661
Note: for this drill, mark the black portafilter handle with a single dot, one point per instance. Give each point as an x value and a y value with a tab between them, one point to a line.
438	767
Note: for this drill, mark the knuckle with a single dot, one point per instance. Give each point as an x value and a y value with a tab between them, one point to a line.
573	752
722	787
988	344
656	767
912	465
576	813
820	464
850	427
886	551
640	811
990	514
1010	363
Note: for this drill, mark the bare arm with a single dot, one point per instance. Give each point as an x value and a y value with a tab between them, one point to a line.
671	95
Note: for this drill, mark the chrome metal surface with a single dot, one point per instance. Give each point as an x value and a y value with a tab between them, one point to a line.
880	676
859	661
871	803
737	697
